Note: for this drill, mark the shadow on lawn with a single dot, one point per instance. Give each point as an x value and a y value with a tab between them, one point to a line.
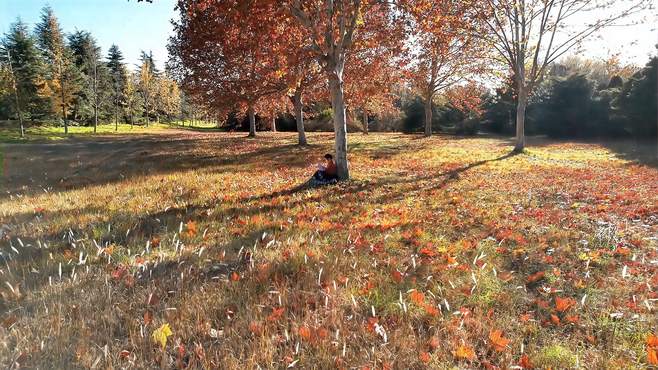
132	232
78	163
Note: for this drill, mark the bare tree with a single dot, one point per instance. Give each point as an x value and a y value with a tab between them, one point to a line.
529	35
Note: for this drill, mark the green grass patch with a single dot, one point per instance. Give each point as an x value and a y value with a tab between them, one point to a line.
48	133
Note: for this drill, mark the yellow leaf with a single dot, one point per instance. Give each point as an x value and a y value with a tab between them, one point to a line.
160	335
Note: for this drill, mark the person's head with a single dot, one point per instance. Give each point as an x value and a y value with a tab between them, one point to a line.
329	158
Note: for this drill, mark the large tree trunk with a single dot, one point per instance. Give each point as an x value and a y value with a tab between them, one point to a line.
428	116
273	122
365	121
252	121
521	106
299	117
340	122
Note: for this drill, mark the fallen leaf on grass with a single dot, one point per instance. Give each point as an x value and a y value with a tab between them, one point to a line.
535	277
652	356
498	342
161	334
525	363
563	304
465	353
417	297
191	228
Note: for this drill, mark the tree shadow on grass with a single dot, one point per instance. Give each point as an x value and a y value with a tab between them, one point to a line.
79	163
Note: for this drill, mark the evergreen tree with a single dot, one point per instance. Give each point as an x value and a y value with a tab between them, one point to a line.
63	78
638	100
118	80
50	37
92	98
24	67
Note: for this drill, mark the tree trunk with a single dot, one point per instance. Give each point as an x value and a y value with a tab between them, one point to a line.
18	111
365	121
428	116
340	122
95	98
66	122
116	115
252	121
273	122
299	117
520	120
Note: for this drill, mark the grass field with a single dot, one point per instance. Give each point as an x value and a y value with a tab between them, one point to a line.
9	133
187	249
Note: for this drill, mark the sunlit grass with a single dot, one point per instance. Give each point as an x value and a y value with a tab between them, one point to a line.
432	246
50	132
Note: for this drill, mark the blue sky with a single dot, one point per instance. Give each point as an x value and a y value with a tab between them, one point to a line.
131	25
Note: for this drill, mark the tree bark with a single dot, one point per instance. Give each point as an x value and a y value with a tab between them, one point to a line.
299	117
521	106
273	122
428	116
95	98
340	122
365	121
252	121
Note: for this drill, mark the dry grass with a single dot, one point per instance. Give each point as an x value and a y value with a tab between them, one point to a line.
417	262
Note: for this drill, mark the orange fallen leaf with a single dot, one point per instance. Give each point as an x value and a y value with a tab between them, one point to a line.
465	353
235	276
431	310
191	228
397	276
276	314
535	277
563	304
555	319
305	333
652	340
498	342
525	363
652	356
417	297
434	343
424	357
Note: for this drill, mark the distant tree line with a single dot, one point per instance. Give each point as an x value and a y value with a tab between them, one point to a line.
49	75
583	99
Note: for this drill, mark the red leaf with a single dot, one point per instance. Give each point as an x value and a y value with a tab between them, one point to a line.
563	304
524	362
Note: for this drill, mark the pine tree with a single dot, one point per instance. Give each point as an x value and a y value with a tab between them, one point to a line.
63	78
49	35
96	76
23	66
118	80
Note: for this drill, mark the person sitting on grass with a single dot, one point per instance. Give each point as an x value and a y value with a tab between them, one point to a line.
327	172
